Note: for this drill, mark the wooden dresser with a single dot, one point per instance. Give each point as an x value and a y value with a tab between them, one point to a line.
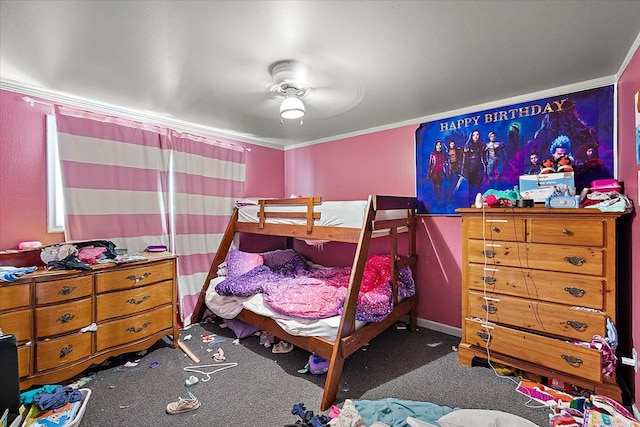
524	273
67	320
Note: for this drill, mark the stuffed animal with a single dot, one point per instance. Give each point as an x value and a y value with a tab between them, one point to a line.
318	365
564	164
547	167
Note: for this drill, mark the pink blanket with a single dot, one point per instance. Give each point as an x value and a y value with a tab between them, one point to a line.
314	298
312	292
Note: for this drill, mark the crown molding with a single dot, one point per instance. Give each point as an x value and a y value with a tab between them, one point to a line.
177	125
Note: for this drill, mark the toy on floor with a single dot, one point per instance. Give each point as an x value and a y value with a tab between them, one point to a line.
316	365
307	418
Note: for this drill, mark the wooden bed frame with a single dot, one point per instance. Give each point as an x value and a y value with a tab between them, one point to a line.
348	339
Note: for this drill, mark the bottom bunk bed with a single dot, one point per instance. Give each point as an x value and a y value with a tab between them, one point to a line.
338	331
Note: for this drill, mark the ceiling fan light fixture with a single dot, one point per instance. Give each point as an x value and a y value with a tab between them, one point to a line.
292	107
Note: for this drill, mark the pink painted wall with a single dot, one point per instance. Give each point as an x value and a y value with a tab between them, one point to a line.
23	165
383	163
23	184
264	172
628	85
355	167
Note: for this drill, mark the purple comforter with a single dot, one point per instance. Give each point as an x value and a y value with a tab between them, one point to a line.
299	290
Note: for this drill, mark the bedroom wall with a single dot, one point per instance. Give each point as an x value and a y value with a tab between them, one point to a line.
629	173
384	163
23	196
23	165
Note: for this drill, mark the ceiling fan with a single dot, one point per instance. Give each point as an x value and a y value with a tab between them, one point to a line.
323	92
289	83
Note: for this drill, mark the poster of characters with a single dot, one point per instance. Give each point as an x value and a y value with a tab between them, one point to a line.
459	157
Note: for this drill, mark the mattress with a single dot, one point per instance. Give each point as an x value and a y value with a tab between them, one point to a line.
229	307
349	214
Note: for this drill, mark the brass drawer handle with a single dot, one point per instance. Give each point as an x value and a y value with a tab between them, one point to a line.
488	254
137	279
567	232
66	290
576	292
491	309
483	336
65	351
489	280
134	302
578	326
495	229
574	260
66	318
136	330
572	360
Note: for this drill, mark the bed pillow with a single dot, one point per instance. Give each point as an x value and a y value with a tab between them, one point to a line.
482	418
278	257
239	262
240	328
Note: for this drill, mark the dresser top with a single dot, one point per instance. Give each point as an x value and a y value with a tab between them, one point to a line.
538	211
41	272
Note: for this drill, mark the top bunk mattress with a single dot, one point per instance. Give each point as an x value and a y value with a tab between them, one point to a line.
348	214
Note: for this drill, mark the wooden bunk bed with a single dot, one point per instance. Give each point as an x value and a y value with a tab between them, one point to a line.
349	337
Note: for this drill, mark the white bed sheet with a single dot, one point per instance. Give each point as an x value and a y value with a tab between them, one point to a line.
229	307
349	214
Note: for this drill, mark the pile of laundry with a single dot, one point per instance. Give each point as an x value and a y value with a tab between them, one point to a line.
52	405
593	411
607	202
77	256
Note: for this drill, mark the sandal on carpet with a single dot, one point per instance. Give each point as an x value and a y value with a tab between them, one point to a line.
183	405
282	347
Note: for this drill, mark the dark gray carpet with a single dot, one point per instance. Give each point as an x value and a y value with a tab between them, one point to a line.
262	389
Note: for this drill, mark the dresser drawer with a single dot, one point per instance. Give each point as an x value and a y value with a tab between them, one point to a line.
17	323
121	303
563	288
123	331
497	228
585	232
133	277
60	318
63	290
568	259
551	353
61	351
544	317
24	360
15	296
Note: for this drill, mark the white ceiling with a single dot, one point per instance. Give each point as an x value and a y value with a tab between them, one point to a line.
371	63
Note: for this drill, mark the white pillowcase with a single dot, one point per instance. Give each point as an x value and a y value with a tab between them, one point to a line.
482	418
414	422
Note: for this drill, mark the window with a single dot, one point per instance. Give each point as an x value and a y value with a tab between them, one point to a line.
55	199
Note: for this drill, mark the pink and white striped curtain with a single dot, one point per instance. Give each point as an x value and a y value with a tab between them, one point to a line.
208	177
139	185
114	178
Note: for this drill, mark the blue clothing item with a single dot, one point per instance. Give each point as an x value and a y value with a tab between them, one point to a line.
26	398
57	398
11	274
394	412
612	334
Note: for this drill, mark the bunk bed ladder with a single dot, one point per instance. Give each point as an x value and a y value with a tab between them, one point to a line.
221	255
347	322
